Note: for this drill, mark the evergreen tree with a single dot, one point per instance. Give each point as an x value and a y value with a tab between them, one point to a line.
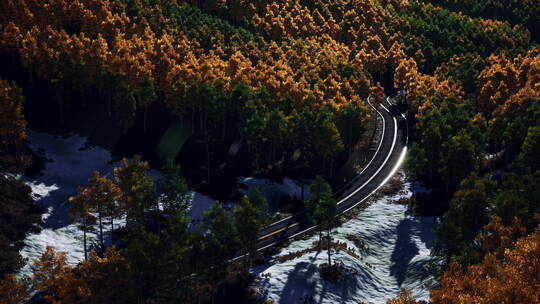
145	95
101	194
218	245
349	123
327	140
322	210
276	133
177	241
304	136
466	216
136	189
79	211
174	191
125	104
250	217
144	251
222	236
254	125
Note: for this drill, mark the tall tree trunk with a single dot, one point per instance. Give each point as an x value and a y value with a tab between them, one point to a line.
128	219
84	240
329	244
157	217
112	227
101	229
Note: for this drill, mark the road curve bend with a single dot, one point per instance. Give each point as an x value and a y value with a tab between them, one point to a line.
386	161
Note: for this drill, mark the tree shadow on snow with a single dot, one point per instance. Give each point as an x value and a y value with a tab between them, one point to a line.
303	280
406	249
69	162
300	285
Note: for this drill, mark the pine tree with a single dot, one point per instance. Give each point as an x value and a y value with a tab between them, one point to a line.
136	189
327	140
101	194
107	278
79	212
145	95
12	128
219	244
250	217
12	122
56	279
176	258
322	211
174	191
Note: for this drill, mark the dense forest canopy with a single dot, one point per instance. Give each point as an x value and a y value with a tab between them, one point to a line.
287	79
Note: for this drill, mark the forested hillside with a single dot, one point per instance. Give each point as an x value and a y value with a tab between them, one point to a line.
269	88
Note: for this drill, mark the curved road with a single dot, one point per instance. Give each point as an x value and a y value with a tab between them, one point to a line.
388	157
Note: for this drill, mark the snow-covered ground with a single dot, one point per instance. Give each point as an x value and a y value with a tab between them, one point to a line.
274	192
70	161
396	255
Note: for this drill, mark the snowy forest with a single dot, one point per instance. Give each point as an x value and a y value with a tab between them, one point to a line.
270	151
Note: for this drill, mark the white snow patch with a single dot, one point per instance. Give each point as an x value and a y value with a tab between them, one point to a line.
488	156
396	255
397	244
198	205
70	162
274	192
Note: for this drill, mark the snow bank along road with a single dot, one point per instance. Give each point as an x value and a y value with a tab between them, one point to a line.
389	155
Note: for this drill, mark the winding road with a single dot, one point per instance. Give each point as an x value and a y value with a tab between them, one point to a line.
387	159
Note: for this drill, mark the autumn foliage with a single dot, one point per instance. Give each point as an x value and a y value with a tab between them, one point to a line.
12	291
288	79
511	279
98	280
100	36
12	128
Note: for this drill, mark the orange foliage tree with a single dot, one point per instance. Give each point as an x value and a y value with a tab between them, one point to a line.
12	291
424	90
514	278
12	128
98	280
12	122
405	297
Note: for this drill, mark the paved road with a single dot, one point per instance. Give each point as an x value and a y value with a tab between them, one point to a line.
389	155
